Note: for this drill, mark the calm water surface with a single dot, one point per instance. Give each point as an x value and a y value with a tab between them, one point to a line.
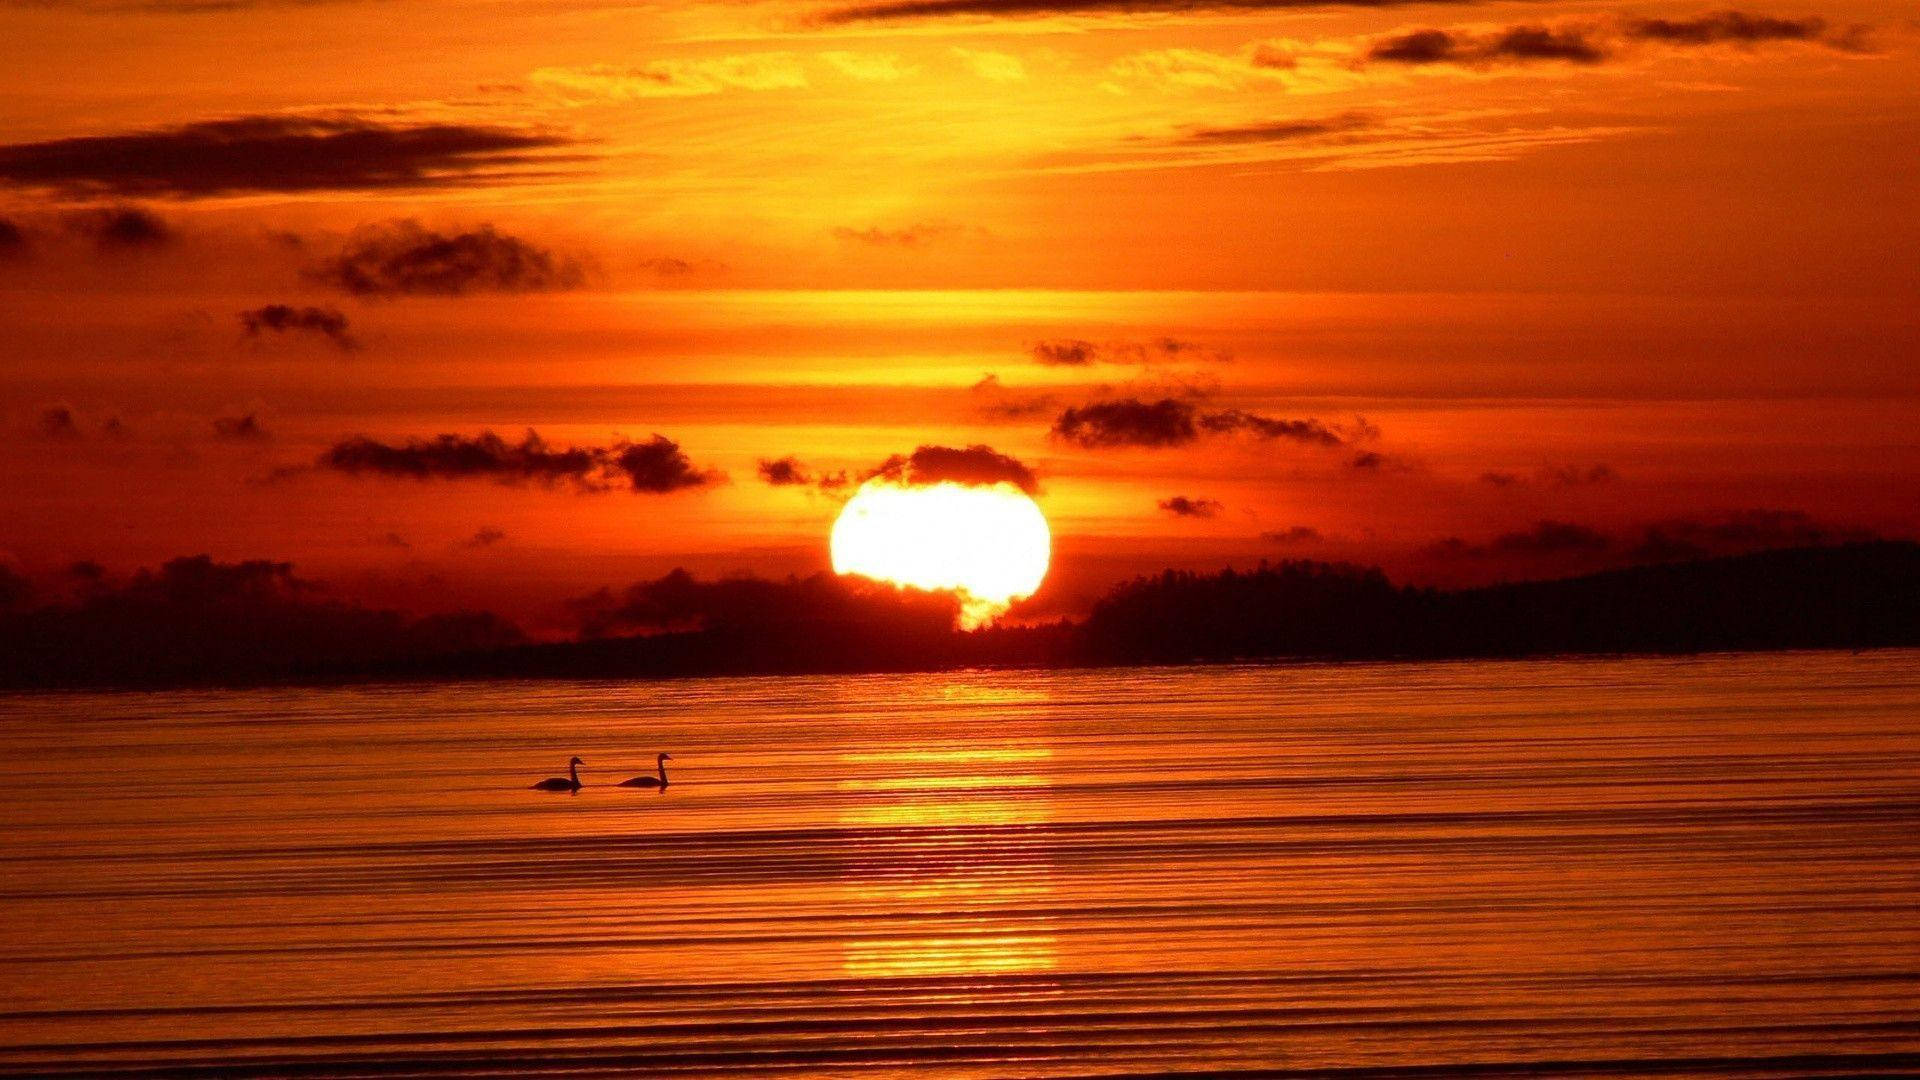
1684	867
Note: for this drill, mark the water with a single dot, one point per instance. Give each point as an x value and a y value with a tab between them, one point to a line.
1683	867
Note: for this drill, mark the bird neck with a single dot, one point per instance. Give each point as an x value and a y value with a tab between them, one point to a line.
662	763
573	773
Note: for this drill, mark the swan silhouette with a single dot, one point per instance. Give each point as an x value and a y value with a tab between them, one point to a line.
652	781
569	782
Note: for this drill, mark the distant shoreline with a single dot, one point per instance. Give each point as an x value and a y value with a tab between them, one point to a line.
1852	597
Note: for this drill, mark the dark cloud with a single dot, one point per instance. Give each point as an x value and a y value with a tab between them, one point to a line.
679	601
998	402
1726	27
1576	476
1128	422
784	472
1551	537
1171	422
121	228
1742	531
1565	476
394	540
1512	45
287	319
1064	352
240	428
57	422
1298	534
973	466
1273	131
1266	427
1182	506
789	472
896	10
275	154
1668	540
1543	539
1597	42
13	238
1076	352
912	236
485	537
656	466
404	259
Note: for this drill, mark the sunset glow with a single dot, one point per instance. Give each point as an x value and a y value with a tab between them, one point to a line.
988	545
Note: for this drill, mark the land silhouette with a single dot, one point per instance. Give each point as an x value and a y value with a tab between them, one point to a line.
197	622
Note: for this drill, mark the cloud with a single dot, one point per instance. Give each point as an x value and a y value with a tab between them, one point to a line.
1000	403
329	323
1272	131
1298	534
1182	506
1078	352
121	228
277	154
992	65
674	78
656	466
485	537
240	429
1564	476
1596	42
13	238
1740	531
1726	27
912	236
57	422
1305	431
789	472
898	10
868	67
973	466
1512	45
402	258
1128	422
1544	538
1171	422
1667	540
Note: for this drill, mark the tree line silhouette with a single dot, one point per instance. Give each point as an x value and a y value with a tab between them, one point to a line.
196	621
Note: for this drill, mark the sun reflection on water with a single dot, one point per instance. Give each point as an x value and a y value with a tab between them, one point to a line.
971	875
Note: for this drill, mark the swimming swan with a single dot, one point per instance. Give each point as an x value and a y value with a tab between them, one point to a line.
651	781
569	782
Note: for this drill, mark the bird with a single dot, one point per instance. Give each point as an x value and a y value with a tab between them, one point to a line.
569	782
652	781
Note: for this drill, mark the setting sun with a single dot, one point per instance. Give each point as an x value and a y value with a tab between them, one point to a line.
988	545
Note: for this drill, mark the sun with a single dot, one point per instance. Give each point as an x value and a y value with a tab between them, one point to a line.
989	545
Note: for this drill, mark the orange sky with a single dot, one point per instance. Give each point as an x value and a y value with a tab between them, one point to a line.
1601	266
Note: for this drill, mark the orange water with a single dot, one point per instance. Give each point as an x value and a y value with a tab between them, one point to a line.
1690	867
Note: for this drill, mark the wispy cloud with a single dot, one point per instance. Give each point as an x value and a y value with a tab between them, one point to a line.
674	78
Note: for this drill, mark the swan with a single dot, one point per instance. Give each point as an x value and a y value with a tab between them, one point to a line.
652	781
569	782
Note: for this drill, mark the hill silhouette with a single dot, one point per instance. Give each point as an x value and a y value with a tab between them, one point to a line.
201	622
